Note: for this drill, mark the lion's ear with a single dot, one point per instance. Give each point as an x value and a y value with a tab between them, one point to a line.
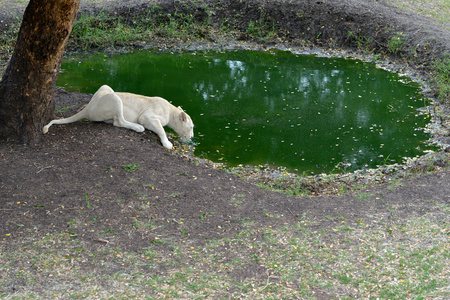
183	116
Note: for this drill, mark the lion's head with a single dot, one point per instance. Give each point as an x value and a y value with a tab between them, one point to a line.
185	127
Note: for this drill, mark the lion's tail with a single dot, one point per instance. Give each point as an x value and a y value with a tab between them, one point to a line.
76	117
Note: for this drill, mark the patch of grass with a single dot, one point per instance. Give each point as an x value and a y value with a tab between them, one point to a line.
183	173
394	183
91	31
144	225
364	196
235	202
174	195
290	261
437	9
442	77
262	28
88	203
288	186
105	29
181	26
9	36
73	223
303	185
397	43
150	186
239	200
204	215
60	109
364	43
131	167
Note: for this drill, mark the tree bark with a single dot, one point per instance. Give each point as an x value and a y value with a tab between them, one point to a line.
28	84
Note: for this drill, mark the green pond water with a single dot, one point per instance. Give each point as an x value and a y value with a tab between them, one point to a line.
306	113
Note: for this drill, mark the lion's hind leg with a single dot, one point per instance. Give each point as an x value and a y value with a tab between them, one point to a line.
119	121
110	107
86	112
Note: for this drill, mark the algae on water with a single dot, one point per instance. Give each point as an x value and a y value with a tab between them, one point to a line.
305	113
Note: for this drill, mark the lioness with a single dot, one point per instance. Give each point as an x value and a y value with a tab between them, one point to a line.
135	112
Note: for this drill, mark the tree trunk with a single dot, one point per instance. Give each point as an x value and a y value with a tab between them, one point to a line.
28	84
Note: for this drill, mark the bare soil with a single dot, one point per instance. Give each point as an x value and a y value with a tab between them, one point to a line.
107	177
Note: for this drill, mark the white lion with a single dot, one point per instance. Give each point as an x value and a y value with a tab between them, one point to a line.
135	112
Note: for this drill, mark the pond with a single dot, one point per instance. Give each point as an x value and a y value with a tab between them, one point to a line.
302	112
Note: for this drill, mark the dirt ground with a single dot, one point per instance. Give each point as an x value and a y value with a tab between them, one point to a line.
107	177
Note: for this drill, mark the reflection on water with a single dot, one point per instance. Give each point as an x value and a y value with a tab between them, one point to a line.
302	112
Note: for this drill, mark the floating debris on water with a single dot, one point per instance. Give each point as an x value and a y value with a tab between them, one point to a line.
347	111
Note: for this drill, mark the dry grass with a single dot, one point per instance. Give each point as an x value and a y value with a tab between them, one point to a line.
366	259
436	9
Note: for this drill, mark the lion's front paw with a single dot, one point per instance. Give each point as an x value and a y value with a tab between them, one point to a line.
168	145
